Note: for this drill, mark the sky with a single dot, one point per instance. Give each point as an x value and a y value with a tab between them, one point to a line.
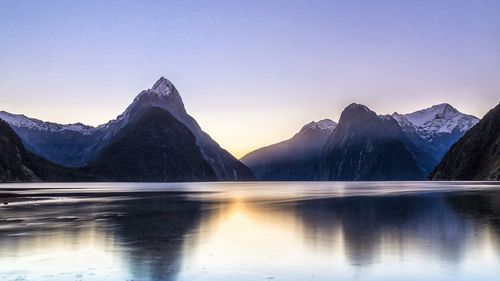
252	73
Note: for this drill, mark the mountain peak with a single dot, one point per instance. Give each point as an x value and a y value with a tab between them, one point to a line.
357	106
162	94
323	125
354	111
163	86
444	114
436	121
444	107
326	124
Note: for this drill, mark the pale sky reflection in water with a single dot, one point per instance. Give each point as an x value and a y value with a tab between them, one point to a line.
254	231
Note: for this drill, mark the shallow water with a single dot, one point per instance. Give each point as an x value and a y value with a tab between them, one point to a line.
251	231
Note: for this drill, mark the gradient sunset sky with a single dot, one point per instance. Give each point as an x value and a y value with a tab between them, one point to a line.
250	72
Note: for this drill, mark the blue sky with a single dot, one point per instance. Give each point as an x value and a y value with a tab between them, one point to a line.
251	72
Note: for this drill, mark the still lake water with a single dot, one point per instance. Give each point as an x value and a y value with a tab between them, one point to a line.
251	231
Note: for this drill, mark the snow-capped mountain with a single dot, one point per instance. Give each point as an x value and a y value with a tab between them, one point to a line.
435	129
437	120
76	145
325	125
163	94
294	159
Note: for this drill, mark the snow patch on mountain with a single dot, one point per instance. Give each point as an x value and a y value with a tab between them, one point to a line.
324	125
353	106
22	121
163	87
436	120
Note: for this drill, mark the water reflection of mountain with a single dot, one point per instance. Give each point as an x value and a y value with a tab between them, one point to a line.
153	231
140	237
402	225
483	209
193	236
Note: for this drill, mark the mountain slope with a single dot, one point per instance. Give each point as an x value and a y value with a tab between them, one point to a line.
476	156
19	165
153	146
297	158
434	130
365	146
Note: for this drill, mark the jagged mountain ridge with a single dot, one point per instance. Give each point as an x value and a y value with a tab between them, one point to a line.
66	145
438	119
297	158
20	120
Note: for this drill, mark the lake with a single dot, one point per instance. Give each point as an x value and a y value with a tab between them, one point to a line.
250	231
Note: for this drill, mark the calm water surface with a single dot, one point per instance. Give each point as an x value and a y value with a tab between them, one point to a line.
250	231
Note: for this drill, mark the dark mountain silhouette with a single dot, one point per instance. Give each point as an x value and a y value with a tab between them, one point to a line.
153	146
365	146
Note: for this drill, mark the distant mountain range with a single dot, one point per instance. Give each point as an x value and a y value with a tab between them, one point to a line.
155	139
365	146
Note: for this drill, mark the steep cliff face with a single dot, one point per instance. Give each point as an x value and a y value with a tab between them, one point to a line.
476	156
